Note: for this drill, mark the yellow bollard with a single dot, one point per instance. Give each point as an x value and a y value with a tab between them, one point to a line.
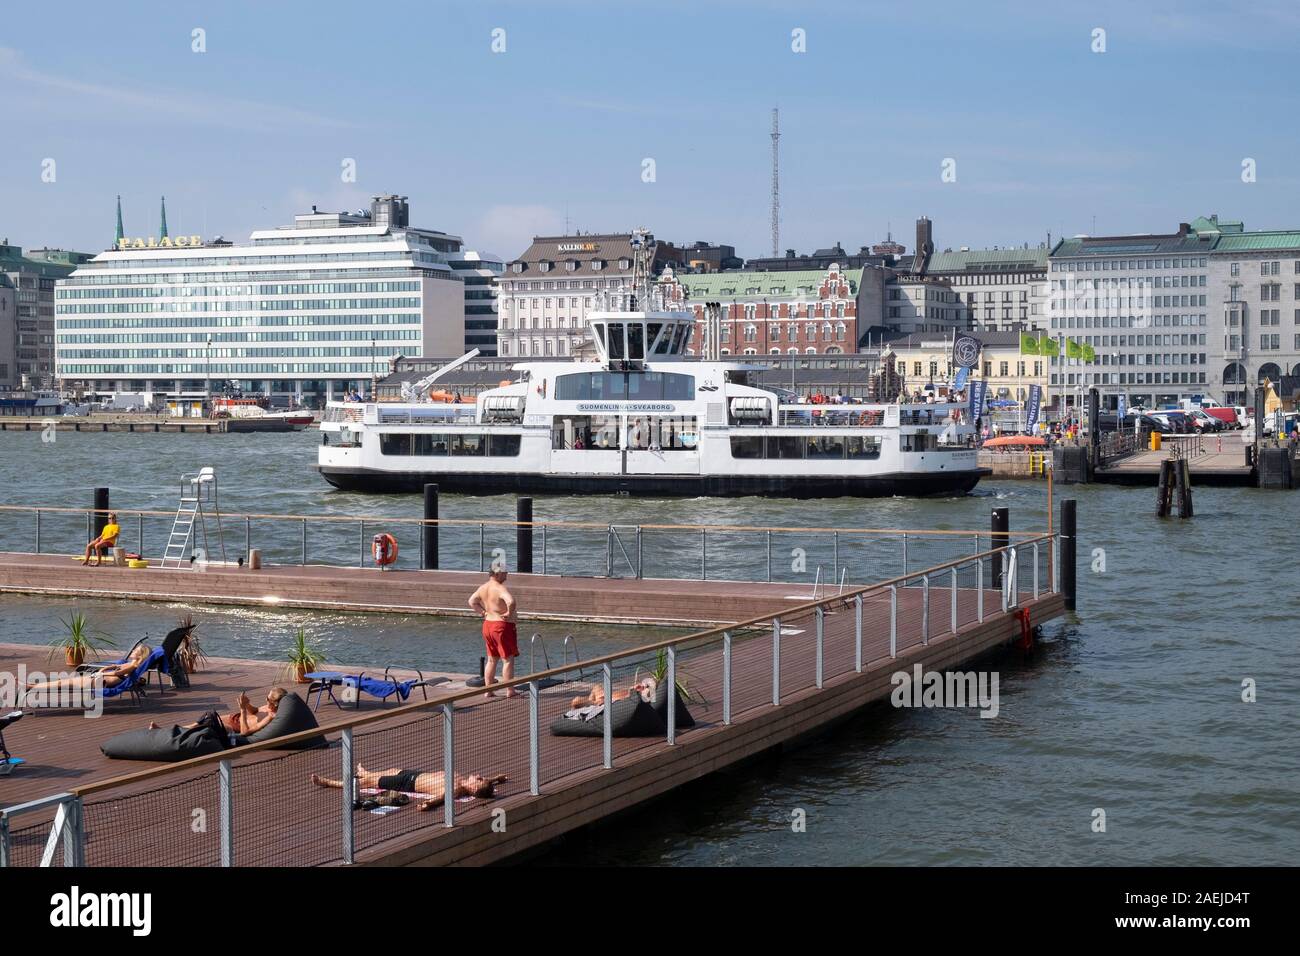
1155	441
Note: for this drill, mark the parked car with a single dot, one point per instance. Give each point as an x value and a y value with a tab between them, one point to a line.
1203	421
1149	423
1226	415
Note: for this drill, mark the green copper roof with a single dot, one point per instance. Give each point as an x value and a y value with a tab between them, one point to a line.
988	260
1249	241
722	285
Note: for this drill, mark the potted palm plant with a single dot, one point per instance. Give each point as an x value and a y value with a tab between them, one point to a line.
660	674
304	657
191	654
78	641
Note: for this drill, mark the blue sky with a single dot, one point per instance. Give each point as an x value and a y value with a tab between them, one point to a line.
1046	134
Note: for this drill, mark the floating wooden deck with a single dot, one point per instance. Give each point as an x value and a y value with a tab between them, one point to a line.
1213	468
280	818
540	597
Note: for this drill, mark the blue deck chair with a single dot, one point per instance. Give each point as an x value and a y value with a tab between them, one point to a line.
8	762
324	682
134	682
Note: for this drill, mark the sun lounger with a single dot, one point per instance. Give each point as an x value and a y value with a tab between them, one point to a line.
386	687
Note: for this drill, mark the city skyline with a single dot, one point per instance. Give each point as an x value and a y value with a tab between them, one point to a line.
551	134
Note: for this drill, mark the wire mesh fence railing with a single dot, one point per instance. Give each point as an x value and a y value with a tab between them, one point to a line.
825	560
452	757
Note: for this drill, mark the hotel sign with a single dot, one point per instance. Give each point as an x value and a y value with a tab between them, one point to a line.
166	242
579	246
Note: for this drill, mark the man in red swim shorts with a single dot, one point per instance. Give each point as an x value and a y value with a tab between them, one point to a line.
497	605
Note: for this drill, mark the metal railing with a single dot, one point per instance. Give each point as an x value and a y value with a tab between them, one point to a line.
565	548
726	673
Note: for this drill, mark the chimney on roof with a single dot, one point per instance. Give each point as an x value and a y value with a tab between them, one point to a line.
1184	228
789	253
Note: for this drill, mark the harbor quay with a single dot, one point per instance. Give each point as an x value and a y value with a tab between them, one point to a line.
769	677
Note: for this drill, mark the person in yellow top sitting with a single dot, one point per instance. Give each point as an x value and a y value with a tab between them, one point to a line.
107	539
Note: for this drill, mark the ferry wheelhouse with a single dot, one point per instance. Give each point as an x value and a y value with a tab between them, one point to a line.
644	419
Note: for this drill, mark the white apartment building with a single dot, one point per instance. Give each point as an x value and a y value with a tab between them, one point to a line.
304	311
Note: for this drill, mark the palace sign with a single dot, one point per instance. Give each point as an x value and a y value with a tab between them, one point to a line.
579	246
166	242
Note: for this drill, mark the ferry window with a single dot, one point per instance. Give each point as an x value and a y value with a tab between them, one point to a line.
584	432
863	447
616	340
785	447
503	446
664	433
652	331
635	340
468	444
394	444
823	448
747	446
429	444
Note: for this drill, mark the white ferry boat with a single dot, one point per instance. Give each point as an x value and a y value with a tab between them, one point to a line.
643	419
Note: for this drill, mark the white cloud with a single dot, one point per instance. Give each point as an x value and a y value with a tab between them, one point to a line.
507	230
65	96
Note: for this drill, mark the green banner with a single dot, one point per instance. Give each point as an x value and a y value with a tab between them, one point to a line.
1028	344
1089	353
1073	350
1050	347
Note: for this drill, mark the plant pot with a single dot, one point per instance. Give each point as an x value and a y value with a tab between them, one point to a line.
299	672
74	656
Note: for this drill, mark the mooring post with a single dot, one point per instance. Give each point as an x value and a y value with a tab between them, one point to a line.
1094	430
1069	551
101	514
1163	488
429	559
524	536
998	539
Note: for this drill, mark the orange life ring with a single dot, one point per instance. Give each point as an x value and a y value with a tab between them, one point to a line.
384	548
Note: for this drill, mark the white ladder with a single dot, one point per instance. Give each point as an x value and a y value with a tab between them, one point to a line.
196	491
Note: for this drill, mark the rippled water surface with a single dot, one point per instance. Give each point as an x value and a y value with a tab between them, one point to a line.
1133	707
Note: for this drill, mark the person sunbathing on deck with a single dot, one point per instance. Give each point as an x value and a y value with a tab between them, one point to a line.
244	720
596	696
419	781
110	676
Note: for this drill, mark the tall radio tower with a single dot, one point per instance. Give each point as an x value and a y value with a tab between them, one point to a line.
776	187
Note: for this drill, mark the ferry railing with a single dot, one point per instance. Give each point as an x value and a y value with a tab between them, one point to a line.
260	806
787	554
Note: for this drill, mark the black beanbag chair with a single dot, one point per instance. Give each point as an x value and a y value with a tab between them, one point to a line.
168	744
291	717
681	716
630	717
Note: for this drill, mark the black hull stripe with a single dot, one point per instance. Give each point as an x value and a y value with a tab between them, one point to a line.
671	486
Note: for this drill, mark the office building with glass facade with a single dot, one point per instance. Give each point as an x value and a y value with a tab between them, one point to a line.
302	312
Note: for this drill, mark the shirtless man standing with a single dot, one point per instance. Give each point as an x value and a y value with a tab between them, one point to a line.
497	606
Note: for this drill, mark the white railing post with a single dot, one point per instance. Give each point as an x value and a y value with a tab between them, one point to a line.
349	793
534	770
776	661
226	814
821	617
726	677
857	633
925	609
74	844
979	589
893	620
449	764
1035	570
952	599
672	695
607	682
4	841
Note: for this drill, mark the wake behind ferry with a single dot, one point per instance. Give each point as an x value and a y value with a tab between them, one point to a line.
644	419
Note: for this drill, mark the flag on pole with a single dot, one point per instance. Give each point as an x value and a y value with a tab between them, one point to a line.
1089	353
1073	350
1028	344
1049	347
